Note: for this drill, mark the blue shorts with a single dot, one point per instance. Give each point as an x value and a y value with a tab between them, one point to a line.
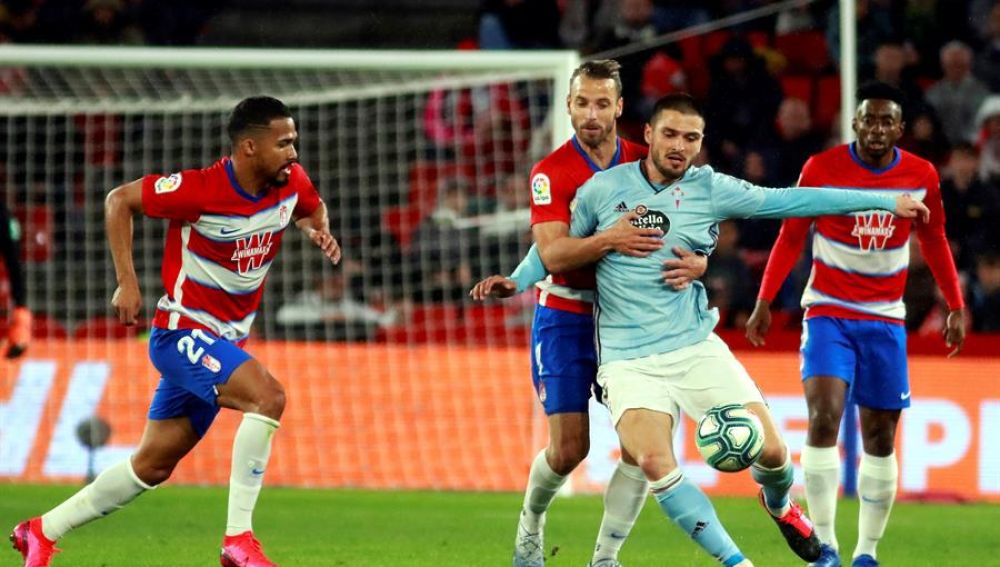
192	362
563	360
869	355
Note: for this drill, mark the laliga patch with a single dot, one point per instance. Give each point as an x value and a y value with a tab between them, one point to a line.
168	184
541	189
649	218
211	363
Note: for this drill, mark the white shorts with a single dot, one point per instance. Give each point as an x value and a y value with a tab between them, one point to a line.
690	380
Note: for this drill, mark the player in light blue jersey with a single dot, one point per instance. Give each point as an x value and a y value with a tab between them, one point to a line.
657	353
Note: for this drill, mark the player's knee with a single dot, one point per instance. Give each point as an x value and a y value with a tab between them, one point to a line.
655	464
824	425
880	441
773	454
152	472
271	399
567	454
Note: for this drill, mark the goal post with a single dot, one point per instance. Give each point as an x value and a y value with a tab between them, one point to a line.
385	358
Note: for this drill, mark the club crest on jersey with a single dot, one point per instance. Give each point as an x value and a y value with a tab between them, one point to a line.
651	218
873	229
678	195
211	363
283	215
251	252
541	189
168	184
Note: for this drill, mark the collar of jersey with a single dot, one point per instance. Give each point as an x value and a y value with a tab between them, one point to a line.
590	163
857	159
236	184
641	164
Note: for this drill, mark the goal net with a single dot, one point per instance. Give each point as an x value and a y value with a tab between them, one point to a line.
395	378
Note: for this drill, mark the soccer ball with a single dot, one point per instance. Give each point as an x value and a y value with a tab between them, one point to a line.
730	437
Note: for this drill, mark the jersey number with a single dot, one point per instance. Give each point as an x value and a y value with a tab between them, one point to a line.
187	346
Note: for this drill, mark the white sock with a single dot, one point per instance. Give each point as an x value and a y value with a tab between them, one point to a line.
543	483
821	466
877	492
111	490
623	500
251	450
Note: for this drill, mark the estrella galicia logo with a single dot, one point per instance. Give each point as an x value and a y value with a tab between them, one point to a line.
651	218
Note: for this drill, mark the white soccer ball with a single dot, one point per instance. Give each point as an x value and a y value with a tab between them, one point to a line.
730	437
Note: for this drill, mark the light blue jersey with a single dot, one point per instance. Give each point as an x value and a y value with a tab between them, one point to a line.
636	313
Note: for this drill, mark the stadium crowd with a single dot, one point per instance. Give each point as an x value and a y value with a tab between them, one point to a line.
771	91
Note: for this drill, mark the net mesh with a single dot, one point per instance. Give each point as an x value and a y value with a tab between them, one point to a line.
425	176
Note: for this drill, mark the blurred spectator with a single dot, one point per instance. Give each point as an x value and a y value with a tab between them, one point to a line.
978	15
874	27
633	23
743	100
985	293
988	126
19	331
109	22
581	19
958	95
794	141
482	125
661	76
730	286
987	66
178	22
797	19
441	250
519	24
679	14
892	67
757	235
330	310
969	203
925	138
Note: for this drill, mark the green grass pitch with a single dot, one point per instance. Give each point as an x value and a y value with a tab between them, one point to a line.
182	526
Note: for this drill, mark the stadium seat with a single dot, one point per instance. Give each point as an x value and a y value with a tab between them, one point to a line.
38	228
107	328
827	100
46	327
714	42
798	86
806	51
422	197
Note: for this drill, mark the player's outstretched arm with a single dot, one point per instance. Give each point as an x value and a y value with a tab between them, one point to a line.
812	202
317	228
526	274
495	286
561	252
121	204
687	267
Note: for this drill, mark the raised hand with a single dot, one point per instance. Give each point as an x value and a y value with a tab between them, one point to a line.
496	286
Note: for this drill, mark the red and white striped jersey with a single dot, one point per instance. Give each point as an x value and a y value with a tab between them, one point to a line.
860	261
554	182
220	244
